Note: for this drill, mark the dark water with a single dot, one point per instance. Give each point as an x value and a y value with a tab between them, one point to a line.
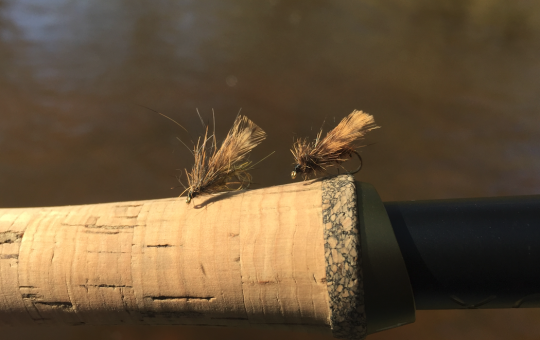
454	84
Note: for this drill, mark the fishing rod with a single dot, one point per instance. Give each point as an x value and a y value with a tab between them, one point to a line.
325	255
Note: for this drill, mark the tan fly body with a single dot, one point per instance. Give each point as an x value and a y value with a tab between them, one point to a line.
338	146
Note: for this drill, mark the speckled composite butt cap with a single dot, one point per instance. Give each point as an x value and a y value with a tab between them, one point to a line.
343	258
286	256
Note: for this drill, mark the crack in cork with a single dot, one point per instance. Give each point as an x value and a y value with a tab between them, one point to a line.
187	298
55	304
10	237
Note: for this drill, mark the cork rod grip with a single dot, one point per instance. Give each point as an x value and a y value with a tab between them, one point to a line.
284	256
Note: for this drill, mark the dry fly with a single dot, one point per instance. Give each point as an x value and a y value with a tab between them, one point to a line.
338	146
224	168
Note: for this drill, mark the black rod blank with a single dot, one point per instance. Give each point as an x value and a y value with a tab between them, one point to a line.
470	253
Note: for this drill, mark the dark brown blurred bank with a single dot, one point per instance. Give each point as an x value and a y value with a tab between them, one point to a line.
454	85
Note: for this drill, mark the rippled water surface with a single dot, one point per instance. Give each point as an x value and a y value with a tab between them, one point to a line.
454	85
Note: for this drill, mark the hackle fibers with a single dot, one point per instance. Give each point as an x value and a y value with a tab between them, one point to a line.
338	146
224	168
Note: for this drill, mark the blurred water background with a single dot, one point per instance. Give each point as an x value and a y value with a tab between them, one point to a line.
455	85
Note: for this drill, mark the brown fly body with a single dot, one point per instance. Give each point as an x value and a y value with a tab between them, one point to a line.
224	168
338	146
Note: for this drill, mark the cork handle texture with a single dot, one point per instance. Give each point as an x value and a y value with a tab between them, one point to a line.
284	256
